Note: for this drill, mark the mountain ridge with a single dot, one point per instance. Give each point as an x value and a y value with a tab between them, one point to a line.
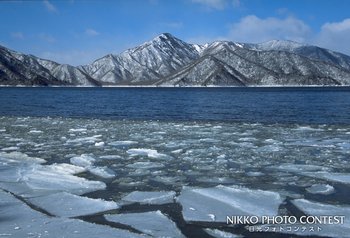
169	61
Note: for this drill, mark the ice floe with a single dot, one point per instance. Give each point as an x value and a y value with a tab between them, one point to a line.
87	162
220	234
324	189
214	204
65	168
103	172
69	205
148	152
300	168
85	140
99	144
333	177
83	160
35	132
19	220
25	176
122	143
39	177
18	157
311	208
155	223
12	148
77	130
110	157
162	197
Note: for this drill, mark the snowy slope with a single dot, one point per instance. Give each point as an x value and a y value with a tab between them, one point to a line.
167	60
21	69
146	63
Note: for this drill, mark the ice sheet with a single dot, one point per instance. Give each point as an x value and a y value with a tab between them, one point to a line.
321	209
69	205
214	204
141	197
149	153
333	177
83	160
18	220
155	223
324	189
39	177
18	157
122	143
87	162
221	234
103	172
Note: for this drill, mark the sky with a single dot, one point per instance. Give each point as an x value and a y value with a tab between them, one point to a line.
78	32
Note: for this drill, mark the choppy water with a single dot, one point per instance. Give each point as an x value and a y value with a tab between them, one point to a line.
250	105
295	160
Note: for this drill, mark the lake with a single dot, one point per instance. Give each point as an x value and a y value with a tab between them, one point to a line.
182	158
264	105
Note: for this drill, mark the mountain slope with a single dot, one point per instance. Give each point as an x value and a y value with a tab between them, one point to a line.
146	63
225	63
21	69
309	51
169	61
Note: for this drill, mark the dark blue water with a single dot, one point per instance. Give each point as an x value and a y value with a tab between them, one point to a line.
263	105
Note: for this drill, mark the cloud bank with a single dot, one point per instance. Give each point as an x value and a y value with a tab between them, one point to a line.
252	29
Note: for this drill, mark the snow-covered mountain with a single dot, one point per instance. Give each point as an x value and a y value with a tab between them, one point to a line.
146	63
21	69
168	61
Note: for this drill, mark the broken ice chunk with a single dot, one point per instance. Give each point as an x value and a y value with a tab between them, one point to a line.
299	168
66	168
122	143
77	130
324	189
88	161
39	177
83	160
333	177
18	157
200	204
148	152
319	209
150	197
68	205
341	229
12	148
155	224
99	144
19	220
220	234
103	172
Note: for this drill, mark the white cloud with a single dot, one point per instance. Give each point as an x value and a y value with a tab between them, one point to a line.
47	38
49	6
91	32
236	3
254	29
17	35
214	4
335	36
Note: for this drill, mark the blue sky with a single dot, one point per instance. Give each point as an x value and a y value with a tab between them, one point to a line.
80	31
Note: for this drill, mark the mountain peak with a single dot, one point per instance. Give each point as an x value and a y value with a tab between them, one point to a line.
165	37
